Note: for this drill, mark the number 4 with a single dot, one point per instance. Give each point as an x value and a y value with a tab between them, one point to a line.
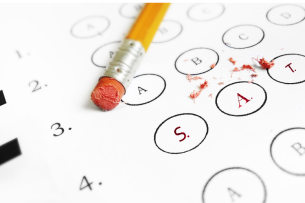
88	184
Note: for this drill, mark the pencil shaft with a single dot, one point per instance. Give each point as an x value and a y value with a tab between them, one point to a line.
148	22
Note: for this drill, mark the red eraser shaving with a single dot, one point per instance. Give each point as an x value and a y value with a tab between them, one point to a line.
248	67
204	85
264	64
231	60
190	78
108	93
195	94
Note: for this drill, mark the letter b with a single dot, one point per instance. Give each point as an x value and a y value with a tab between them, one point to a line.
298	148
196	60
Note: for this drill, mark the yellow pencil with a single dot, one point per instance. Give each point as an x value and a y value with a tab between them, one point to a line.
113	84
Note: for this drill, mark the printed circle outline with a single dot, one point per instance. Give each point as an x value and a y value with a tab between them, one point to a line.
155	97
284	5
234	168
188	11
242	114
181	114
240	26
108	24
173	37
273	140
191	50
121	13
99	49
286	83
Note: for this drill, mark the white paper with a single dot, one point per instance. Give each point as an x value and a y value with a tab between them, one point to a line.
241	140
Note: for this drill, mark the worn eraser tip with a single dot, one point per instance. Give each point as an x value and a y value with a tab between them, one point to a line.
108	93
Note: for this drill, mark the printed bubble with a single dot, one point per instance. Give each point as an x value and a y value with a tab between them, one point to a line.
286	15
90	27
181	133
288	151
234	185
144	89
103	55
288	69
168	30
205	12
243	36
241	98
131	10
196	61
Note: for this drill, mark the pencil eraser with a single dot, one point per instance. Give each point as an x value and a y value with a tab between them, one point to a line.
108	93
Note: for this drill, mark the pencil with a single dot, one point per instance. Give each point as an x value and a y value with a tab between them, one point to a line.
113	84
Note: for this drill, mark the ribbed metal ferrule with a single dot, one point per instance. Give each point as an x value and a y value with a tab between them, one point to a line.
126	62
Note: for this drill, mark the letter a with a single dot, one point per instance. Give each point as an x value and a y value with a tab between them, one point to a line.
163	30
138	7
298	147
242	98
141	89
111	53
196	60
232	193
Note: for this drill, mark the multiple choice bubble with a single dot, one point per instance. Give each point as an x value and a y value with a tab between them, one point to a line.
288	151
131	10
241	98
181	133
286	15
234	185
90	27
288	69
243	36
196	61
102	56
167	31
144	89
205	12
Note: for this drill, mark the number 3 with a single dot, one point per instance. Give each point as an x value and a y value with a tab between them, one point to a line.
58	128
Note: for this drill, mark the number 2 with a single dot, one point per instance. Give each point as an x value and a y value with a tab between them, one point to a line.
36	87
58	128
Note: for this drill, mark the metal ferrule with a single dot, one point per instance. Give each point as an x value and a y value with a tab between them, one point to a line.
126	62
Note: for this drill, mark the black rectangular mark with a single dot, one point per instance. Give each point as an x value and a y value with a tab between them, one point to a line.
2	98
9	151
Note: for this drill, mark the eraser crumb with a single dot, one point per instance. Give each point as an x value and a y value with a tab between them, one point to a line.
232	61
190	78
264	64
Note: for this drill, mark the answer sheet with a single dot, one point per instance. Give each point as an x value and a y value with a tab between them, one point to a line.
239	139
